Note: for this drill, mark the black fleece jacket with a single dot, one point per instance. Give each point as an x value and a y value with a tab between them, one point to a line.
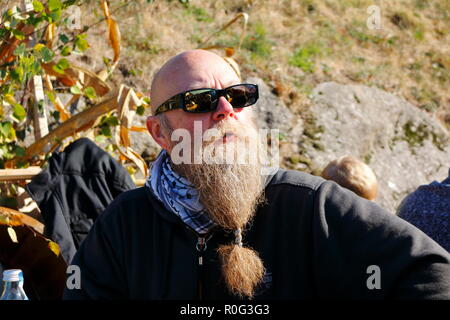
77	185
316	239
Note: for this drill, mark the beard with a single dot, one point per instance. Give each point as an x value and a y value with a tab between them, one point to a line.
231	191
229	179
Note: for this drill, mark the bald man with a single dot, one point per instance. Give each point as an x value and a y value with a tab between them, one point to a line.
204	227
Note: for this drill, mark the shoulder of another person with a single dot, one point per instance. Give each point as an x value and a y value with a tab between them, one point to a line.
296	178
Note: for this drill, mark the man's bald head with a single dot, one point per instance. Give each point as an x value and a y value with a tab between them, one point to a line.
190	70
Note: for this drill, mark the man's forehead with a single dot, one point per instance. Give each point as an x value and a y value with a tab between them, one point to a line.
191	70
170	83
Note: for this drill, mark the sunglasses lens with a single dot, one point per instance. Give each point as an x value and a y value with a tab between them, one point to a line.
242	95
205	100
199	100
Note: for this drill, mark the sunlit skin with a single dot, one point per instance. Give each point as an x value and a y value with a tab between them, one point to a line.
192	70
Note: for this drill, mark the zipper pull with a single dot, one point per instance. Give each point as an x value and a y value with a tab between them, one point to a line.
201	247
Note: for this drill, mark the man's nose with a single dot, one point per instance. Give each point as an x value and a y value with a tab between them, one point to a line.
224	110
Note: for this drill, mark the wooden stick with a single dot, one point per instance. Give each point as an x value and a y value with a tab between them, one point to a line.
39	115
19	174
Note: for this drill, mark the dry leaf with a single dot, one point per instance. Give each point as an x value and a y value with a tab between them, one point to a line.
124	136
114	38
50	35
79	122
54	247
242	15
229	52
8	47
12	234
127	102
64	113
138	129
234	65
105	8
114	32
75	75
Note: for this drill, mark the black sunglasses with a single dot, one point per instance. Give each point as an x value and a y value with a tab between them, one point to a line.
206	99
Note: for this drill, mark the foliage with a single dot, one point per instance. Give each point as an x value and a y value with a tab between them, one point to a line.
39	40
303	58
26	46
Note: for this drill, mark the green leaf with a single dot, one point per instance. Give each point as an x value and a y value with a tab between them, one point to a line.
50	95
36	68
19	112
90	93
3	33
146	100
112	121
54	5
81	43
140	110
100	138
33	20
38	6
17	74
66	51
7	130
56	115
64	39
19	151
20	50
62	65
75	90
47	54
55	15
18	34
106	131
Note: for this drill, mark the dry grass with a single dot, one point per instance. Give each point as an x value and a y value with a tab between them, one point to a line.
293	45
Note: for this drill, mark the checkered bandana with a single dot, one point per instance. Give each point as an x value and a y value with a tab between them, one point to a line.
178	195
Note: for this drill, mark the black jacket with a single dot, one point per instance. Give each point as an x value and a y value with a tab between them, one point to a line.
74	189
316	239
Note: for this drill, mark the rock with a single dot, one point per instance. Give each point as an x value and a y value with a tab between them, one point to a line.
404	146
142	142
272	113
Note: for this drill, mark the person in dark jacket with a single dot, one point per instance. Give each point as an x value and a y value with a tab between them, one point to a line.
428	208
205	228
77	185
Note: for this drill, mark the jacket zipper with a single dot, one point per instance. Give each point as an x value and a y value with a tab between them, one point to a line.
201	248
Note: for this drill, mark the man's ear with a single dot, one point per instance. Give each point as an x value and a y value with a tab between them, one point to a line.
155	129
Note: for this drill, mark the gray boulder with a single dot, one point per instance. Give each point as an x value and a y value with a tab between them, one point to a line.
405	146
